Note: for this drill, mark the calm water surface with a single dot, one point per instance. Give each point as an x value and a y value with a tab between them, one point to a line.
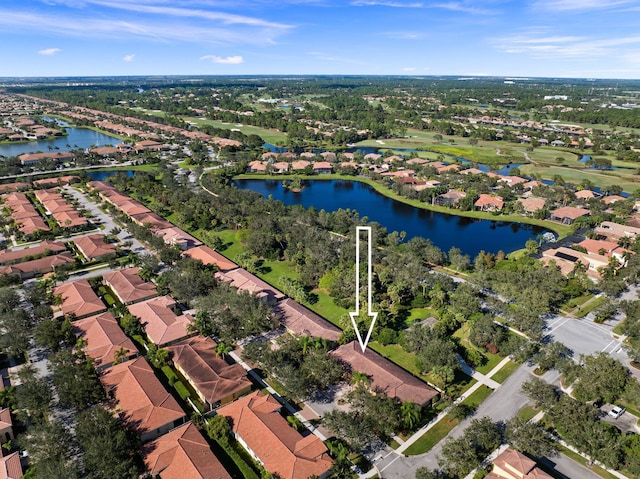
76	138
445	231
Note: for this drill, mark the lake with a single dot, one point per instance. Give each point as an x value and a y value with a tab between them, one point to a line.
468	234
76	138
101	175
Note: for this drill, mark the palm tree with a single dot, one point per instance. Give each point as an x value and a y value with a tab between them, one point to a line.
357	377
223	349
120	355
410	414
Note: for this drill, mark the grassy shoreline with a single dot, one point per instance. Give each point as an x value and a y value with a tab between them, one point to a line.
561	230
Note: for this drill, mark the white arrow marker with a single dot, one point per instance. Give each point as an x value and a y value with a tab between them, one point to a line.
371	314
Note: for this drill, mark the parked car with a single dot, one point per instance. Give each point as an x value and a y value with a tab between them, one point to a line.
616	412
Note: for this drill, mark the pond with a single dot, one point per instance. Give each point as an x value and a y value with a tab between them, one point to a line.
444	230
101	175
76	138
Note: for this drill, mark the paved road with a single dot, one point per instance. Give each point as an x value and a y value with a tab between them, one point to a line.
585	337
569	468
502	404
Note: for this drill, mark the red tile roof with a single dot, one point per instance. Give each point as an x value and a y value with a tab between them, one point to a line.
94	246
128	286
158	320
44	248
245	281
281	448
10	467
301	321
142	400
104	338
210	374
38	266
210	257
569	212
79	298
183	453
385	376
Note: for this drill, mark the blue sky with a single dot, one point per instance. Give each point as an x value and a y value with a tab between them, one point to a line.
550	38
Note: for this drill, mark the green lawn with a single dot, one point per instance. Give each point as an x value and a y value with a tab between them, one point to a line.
419	314
505	371
586	309
479	395
432	437
274	137
395	353
527	413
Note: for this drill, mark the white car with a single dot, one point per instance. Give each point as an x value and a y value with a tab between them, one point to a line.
616	412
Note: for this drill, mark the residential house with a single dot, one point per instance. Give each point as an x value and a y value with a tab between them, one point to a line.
511	180
447	168
243	280
153	220
182	453
322	167
141	400
159	321
95	247
489	202
567	260
585	195
303	322
128	286
175	236
31	159
6	426
512	464
532	204
471	171
45	248
329	156
611	199
10	466
257	167
105	342
604	248
615	231
35	267
216	381
280	167
79	299
450	198
266	435
385	377
208	256
568	214
372	157
299	165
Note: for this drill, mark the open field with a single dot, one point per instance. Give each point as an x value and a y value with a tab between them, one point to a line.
270	136
623	177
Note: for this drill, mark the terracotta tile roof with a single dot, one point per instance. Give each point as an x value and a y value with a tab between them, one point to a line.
5	419
611	199
281	448
532	204
151	218
245	281
299	165
32	224
158	320
104	338
79	298
489	201
210	257
131	207
182	453
322	165
384	375
514	461
616	231
37	266
301	321
45	247
594	246
211	375
10	467
143	401
70	218
174	235
569	212
585	194
94	246
128	286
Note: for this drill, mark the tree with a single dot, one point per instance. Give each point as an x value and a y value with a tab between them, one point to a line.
109	450
55	334
543	394
410	414
602	378
529	437
33	396
76	380
218	428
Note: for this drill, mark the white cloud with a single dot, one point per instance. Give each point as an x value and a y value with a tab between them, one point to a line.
162	29
409	69
578	5
234	60
331	58
129	58
540	46
49	51
463	7
383	3
405	35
